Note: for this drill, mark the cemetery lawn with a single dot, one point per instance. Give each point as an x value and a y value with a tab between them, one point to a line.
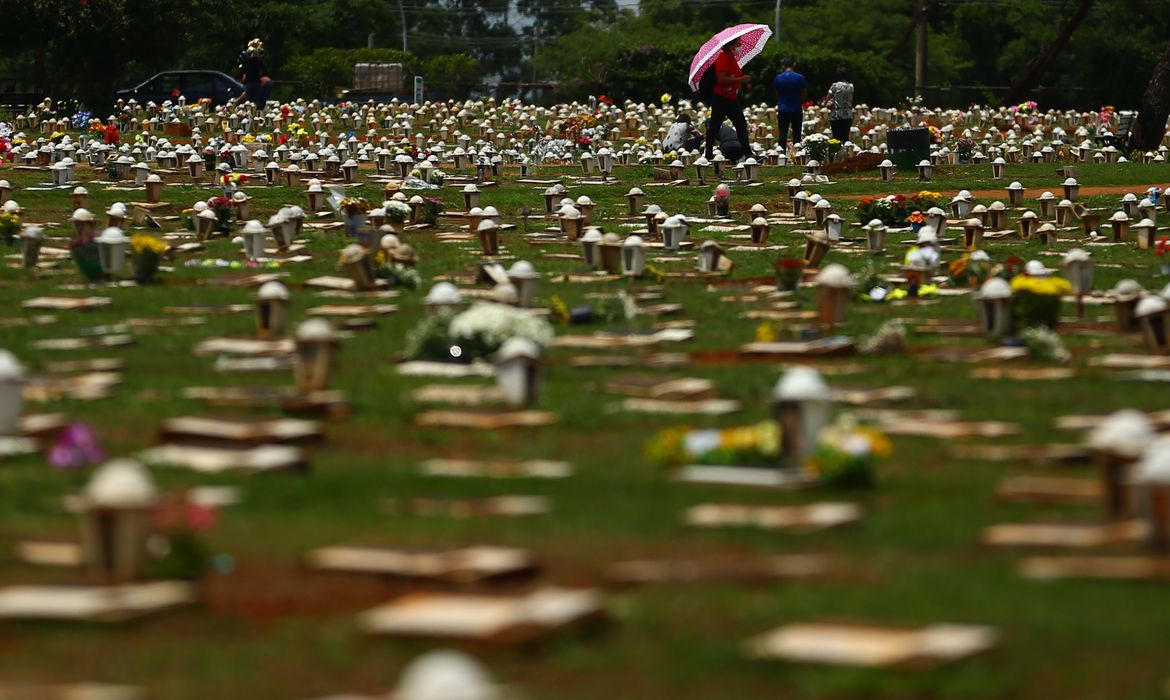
272	629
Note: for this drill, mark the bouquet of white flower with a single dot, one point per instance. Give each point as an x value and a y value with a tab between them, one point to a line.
485	327
397	211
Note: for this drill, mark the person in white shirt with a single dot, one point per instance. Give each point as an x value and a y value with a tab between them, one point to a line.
681	135
840	100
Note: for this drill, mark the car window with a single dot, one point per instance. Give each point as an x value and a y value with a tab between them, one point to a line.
198	84
164	84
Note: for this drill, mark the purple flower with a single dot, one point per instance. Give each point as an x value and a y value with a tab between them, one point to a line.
76	447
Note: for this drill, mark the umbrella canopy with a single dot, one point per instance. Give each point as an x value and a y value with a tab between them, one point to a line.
753	39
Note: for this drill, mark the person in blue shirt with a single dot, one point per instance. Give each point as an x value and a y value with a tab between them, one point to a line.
791	89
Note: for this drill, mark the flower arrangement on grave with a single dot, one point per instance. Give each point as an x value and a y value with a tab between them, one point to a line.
1160	247
1027	107
1011	267
820	147
1153	194
84	251
430	209
620	307
891	210
722	197
1044	345
97	131
177	548
9	227
768	332
926	199
397	211
1036	299
654	273
222	207
1105	115
234	180
848	454
665	98
111	136
757	444
76	447
355	205
788	273
936	135
966	272
888	339
965	148
146	251
475	333
437	178
916	219
6	149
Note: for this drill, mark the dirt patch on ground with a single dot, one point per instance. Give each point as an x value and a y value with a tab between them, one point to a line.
262	592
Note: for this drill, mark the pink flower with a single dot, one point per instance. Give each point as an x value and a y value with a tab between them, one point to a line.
76	447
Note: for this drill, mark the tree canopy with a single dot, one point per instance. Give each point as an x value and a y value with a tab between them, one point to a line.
978	49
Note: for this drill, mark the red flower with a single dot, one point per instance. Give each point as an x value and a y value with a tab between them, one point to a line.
175	92
111	136
1162	246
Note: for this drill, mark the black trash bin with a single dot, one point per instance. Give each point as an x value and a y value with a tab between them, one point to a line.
908	147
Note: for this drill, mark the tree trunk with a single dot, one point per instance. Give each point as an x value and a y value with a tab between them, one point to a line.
1150	124
1035	70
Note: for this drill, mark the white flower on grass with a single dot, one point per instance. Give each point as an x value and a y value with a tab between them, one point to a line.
496	323
1045	345
397	211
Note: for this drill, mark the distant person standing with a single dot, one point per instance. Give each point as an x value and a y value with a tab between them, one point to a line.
724	97
254	74
791	89
841	106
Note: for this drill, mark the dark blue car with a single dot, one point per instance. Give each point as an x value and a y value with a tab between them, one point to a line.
193	84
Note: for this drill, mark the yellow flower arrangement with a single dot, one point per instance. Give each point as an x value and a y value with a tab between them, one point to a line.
559	310
1044	286
927	194
766	332
143	243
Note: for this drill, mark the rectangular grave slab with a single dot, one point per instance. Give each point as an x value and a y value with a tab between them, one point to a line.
200	309
651	387
1024	374
495	506
93	603
664	360
871	646
1050	489
211	460
461	394
484	420
765	477
499	619
499	469
349	310
75	691
816	516
344	284
99	341
190	429
761	569
704	407
467	566
87	386
868	397
66	303
808	348
255	347
1065	535
424	368
1098	568
952	430
1022	453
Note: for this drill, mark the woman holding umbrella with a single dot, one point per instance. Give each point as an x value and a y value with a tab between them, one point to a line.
725	96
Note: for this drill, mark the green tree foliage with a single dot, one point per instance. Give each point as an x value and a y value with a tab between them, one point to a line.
452	74
327	72
88	48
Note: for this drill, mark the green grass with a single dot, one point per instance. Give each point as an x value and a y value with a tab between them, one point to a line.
915	558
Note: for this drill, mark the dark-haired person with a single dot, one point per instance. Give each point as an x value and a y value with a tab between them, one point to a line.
841	106
725	97
791	89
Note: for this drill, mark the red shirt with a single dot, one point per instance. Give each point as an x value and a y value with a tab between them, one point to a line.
726	64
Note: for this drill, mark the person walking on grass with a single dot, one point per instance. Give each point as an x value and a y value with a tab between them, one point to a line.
791	89
724	97
254	74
